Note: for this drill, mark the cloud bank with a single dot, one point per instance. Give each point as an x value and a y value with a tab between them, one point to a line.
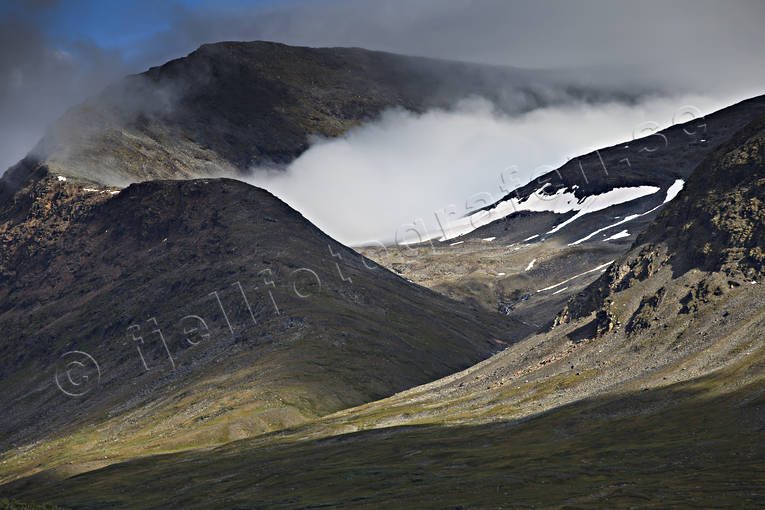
366	186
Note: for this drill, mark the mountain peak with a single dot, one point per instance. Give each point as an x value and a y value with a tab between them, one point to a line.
229	107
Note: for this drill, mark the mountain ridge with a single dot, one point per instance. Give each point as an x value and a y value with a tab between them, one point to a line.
231	106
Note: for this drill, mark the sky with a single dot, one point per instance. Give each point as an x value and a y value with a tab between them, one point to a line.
56	53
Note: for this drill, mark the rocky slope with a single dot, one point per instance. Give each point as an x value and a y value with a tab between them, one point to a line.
717	227
647	393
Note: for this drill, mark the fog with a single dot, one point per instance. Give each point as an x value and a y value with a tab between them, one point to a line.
366	186
39	81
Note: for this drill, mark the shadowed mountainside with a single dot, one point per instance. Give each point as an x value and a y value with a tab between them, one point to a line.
213	310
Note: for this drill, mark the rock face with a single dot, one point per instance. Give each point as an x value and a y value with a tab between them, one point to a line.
719	222
32	220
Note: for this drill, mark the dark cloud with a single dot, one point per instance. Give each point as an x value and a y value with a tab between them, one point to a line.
38	82
696	44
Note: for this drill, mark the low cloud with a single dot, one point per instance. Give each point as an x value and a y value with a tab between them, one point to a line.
363	187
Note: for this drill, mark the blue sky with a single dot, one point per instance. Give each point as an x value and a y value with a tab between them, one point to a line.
113	24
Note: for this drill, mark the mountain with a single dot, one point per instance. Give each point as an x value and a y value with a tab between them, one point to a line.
228	107
176	314
648	391
545	241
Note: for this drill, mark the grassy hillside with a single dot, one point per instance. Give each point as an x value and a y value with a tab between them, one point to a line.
682	445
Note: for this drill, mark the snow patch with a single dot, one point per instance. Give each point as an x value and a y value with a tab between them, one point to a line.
94	190
605	200
618	235
561	202
61	178
455	244
489	239
531	264
559	291
530	238
673	190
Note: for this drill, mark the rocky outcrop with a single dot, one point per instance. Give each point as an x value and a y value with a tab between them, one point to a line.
35	219
715	225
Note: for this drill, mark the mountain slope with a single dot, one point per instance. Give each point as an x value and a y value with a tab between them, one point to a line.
185	313
652	396
682	446
717	227
547	240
